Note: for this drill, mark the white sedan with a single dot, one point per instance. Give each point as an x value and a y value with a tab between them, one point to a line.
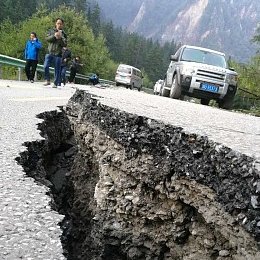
157	87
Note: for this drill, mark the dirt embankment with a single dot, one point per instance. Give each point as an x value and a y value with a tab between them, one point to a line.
135	188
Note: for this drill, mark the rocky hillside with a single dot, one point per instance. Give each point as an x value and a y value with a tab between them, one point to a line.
227	26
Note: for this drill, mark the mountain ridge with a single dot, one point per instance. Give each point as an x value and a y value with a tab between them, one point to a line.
226	26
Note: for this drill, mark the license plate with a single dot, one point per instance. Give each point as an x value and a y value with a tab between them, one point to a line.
208	87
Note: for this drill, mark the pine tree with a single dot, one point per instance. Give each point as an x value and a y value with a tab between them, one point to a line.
94	20
17	10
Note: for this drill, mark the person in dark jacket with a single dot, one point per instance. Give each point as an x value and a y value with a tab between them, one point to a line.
66	57
32	48
74	68
57	39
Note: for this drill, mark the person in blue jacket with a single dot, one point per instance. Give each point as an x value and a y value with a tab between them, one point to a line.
94	79
31	55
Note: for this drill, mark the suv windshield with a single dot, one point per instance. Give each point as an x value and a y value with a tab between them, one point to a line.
202	56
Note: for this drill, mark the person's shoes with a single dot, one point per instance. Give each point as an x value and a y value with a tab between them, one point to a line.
32	81
47	83
54	86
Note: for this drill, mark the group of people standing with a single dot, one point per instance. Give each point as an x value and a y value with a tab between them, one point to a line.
65	58
58	54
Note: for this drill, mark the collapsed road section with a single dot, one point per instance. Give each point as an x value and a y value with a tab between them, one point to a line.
132	187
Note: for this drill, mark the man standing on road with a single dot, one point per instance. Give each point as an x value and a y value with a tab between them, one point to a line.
31	55
57	39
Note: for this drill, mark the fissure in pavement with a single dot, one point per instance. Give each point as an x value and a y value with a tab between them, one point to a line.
134	188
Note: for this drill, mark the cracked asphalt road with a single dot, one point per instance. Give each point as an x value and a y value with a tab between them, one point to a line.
28	226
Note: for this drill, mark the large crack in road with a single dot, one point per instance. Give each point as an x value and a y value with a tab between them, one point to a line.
130	187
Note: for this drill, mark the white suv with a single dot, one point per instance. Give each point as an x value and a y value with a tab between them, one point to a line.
201	73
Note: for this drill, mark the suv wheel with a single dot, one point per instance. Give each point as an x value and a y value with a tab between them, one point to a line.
204	101
164	92
175	89
226	103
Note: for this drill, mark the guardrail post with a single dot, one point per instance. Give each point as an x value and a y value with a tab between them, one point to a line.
19	74
35	76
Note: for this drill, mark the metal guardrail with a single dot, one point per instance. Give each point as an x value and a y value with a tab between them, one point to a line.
248	92
20	64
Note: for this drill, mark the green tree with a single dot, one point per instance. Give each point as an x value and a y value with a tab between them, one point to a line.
256	37
17	10
53	4
146	81
155	60
249	74
115	41
94	19
131	50
79	5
